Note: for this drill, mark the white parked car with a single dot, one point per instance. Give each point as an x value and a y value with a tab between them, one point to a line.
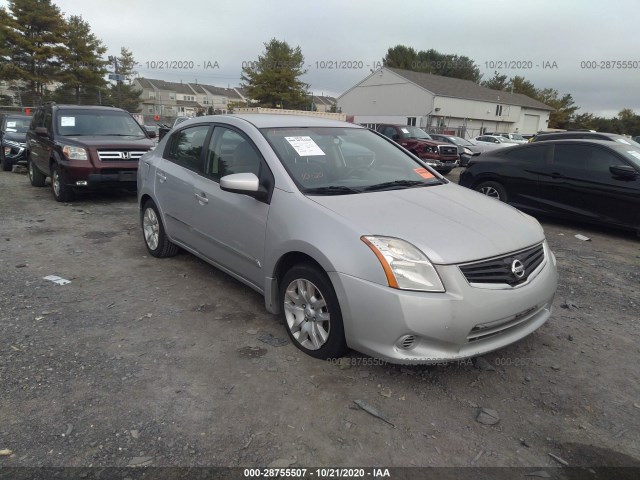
495	140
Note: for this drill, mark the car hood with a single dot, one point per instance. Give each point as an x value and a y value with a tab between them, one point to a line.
111	142
449	223
15	137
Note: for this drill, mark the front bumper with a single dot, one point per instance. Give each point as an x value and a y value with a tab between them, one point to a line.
466	321
83	174
441	165
15	153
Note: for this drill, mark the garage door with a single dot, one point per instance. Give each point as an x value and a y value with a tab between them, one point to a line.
531	123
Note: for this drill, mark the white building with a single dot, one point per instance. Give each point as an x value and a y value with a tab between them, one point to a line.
440	104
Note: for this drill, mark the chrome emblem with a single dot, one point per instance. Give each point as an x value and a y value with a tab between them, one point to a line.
517	268
126	155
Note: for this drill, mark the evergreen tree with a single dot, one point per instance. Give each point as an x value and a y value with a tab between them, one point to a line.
274	79
83	69
434	62
497	82
33	34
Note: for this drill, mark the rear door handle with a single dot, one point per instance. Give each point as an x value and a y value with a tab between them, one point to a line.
202	198
162	177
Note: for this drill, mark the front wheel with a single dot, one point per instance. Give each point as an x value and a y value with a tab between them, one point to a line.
445	171
493	190
61	191
6	164
311	312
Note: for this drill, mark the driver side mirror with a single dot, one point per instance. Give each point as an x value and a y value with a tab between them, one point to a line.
623	171
244	183
42	132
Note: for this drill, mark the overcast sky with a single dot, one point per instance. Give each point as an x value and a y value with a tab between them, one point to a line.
233	32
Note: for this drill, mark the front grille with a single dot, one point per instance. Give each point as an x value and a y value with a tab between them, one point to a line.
448	150
511	269
487	330
120	155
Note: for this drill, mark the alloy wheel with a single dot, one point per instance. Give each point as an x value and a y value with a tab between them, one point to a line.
307	314
151	228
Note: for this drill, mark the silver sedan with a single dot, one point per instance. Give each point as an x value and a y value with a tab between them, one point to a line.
350	238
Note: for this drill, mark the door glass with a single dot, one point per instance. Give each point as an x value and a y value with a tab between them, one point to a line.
230	152
529	155
585	157
185	147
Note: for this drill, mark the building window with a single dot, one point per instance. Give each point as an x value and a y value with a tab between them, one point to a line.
411	121
152	94
150	109
498	110
172	96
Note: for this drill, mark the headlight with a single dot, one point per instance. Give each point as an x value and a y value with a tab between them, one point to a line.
13	144
75	153
406	267
467	151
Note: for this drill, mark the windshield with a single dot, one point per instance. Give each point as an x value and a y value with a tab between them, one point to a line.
633	155
414	132
517	136
339	161
17	124
73	123
504	140
461	141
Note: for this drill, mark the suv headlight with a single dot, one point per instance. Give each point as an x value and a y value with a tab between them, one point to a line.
406	267
467	151
11	143
75	153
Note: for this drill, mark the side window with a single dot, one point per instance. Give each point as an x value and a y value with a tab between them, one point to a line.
230	152
389	132
185	147
37	119
585	157
528	155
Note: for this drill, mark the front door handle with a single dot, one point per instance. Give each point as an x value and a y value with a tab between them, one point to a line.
202	199
162	177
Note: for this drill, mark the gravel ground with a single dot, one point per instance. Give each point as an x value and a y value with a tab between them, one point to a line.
141	361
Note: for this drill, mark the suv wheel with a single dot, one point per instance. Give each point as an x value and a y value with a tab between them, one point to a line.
61	192
311	312
6	164
36	177
153	232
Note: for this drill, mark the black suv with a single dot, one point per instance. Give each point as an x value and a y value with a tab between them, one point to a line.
584	135
13	129
82	147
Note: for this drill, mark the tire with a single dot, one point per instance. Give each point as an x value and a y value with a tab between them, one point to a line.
36	177
155	238
445	171
493	190
6	165
61	191
305	296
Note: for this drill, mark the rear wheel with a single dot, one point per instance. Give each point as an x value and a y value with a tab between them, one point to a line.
36	177
311	312
61	191
153	232
445	171
493	190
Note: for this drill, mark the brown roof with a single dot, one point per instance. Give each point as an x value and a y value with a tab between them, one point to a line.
457	88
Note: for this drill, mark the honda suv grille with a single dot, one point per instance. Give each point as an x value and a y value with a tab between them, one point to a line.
120	155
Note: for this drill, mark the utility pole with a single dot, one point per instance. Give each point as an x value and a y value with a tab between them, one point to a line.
118	80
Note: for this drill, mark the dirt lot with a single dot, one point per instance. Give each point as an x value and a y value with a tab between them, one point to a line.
140	361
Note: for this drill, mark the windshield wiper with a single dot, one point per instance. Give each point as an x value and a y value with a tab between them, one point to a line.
331	190
395	184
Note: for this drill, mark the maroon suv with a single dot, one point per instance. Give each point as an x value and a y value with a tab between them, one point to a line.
83	147
440	155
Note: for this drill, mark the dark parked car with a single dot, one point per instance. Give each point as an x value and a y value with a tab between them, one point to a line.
82	147
442	156
587	135
13	129
587	180
466	149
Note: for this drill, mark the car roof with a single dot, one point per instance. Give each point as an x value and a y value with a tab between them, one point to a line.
88	107
265	120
